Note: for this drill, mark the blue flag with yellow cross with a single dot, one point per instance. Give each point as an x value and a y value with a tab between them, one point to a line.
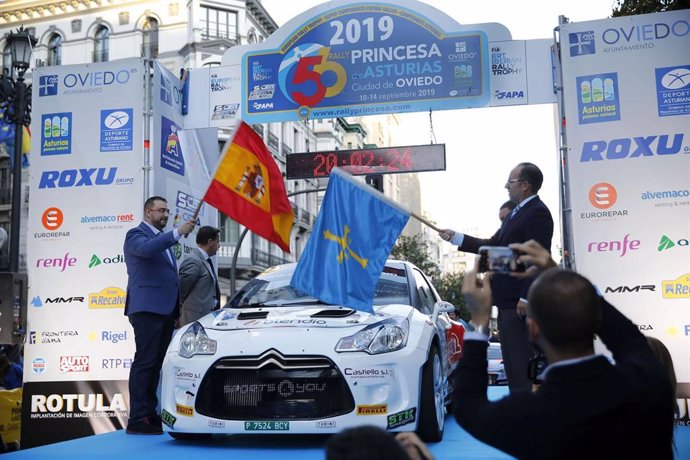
350	242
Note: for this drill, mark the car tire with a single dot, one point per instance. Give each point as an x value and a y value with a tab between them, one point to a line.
431	411
189	436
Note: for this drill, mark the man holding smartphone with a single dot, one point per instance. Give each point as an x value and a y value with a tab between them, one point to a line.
530	220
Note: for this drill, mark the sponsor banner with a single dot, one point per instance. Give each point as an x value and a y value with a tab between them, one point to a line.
59	411
508	73
626	105
673	90
340	59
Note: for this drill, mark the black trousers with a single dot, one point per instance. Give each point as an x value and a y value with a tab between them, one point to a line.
152	335
515	347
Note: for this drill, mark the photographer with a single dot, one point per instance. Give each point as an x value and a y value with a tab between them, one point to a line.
586	407
530	220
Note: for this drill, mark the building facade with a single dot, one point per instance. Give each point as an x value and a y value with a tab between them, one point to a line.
190	34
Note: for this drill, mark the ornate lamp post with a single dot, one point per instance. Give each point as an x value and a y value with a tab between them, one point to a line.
17	110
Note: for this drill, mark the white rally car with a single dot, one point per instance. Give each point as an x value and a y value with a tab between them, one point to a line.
275	360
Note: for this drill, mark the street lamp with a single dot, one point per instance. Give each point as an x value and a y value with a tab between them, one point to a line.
17	111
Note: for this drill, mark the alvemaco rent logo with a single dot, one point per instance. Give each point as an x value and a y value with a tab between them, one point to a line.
581	43
641	146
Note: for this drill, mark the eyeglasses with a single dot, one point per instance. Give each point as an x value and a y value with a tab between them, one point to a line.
511	181
161	210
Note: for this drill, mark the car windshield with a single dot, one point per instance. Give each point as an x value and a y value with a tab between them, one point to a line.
272	288
494	353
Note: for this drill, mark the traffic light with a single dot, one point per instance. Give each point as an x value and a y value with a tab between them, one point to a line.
376	181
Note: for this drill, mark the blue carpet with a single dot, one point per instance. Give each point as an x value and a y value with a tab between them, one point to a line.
456	444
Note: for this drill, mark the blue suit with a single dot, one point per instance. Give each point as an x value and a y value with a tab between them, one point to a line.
153	284
152	306
532	222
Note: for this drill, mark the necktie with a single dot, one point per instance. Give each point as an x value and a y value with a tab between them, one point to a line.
215	280
512	214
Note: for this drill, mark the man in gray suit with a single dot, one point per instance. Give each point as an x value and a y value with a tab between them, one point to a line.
199	290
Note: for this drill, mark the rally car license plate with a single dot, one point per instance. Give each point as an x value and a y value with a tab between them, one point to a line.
266	426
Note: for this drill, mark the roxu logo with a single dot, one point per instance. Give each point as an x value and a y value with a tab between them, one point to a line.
77	177
617	149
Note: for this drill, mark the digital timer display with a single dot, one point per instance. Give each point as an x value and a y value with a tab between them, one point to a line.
387	160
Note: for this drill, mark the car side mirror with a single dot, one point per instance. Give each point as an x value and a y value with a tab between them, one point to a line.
441	307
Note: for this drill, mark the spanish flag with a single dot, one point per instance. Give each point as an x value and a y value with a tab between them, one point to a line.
248	187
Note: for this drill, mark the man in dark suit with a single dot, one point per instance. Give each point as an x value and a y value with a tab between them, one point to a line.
586	406
152	306
199	290
530	220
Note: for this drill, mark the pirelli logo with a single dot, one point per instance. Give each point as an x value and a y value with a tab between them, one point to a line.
372	409
184	410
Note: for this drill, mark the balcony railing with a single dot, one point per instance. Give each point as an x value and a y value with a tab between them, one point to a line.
285	149
5	195
100	56
259	128
265	259
273	141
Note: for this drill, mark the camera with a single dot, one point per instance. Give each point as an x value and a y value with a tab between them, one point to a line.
499	259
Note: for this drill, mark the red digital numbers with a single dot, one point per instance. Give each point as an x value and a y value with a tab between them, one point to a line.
325	162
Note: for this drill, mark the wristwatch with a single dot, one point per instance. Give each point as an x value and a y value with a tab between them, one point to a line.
481	328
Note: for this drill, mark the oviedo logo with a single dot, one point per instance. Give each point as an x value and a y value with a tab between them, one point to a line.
603	195
52	218
678	288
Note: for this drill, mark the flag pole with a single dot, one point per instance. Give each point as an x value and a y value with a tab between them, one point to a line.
215	170
424	221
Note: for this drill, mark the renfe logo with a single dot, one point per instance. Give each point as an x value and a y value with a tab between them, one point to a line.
52	218
61	263
614	246
617	149
603	195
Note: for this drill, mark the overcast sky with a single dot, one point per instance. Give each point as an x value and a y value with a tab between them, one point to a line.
483	145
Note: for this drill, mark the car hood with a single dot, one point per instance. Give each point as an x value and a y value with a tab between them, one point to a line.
299	317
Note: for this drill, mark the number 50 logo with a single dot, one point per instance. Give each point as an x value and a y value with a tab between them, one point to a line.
306	76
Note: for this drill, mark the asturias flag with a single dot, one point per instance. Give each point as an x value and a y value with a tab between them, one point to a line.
352	237
248	187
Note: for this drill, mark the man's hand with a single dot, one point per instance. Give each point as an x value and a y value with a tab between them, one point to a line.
446	234
186	228
415	447
534	257
521	309
477	294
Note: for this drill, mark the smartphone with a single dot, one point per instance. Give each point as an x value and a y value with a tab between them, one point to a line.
499	259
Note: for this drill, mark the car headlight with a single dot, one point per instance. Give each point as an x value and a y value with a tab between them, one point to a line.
194	341
382	337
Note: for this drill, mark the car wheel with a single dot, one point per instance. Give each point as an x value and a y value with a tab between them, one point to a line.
431	411
189	436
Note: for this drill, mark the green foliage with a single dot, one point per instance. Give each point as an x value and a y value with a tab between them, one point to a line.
631	7
415	250
449	287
